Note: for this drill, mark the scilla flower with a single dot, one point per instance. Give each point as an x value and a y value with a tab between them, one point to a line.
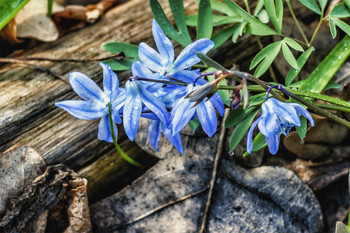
95	103
276	118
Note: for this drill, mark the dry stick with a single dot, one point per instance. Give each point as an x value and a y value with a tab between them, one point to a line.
38	67
215	171
159	208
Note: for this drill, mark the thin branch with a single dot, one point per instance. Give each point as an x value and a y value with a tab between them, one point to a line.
159	208
215	170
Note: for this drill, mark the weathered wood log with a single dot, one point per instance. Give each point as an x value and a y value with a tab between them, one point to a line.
28	115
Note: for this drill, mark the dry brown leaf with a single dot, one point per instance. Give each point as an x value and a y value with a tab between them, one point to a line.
9	32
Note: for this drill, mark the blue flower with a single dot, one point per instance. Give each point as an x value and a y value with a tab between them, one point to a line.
163	62
154	131
276	118
139	100
95	101
184	111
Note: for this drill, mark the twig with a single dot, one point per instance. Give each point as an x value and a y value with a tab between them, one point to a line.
159	208
38	67
215	170
119	56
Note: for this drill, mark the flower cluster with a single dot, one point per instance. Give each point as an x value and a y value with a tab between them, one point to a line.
146	94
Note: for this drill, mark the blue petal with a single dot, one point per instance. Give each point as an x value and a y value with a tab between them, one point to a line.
269	122
83	109
86	88
285	111
302	111
273	143
140	70
110	82
104	130
250	136
175	140
164	45
154	104
154	131
207	117
132	110
150	57
181	113
188	56
217	102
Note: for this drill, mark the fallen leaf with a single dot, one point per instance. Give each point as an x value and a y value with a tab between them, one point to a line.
9	32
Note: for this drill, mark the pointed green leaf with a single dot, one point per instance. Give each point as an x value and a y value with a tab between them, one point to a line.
178	11
265	57
340	11
301	130
259	6
333	28
9	9
241	129
205	20
210	62
191	20
238	31
347	3
257	99
275	12
323	4
343	26
263	17
236	116
288	55
166	26
222	8
256	26
259	143
222	36
293	44
301	62
324	72
119	65
311	4
116	47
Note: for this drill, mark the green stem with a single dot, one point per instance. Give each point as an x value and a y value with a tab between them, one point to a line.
316	30
318	109
119	149
297	24
49	7
333	107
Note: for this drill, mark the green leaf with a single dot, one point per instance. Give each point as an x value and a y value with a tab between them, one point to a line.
117	47
340	11
178	11
323	4
205	20
288	55
256	27
241	129
164	23
259	6
194	124
301	62
238	31
191	20
301	130
222	8
265	57
257	99
119	65
324	72
237	115
9	9
333	85
210	62
343	26
311	4
347	3
332	27
263	17
259	143
293	44
222	36
274	9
